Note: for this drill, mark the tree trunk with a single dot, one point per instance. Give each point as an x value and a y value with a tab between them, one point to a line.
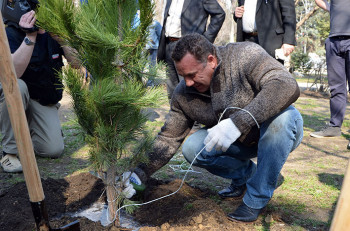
307	16
112	195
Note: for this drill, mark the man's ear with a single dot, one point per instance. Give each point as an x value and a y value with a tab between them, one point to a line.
212	61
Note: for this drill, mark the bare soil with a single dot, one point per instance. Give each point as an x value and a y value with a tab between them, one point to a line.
194	207
190	209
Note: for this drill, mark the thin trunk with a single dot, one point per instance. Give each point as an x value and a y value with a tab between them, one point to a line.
112	195
307	16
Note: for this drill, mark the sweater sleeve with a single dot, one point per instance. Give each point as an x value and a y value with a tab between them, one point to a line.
169	139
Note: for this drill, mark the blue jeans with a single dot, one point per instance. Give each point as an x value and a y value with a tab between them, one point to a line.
152	57
279	136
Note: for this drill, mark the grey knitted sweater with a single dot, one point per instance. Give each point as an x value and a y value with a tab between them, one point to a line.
246	77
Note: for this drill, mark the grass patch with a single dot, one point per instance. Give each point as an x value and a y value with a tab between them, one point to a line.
16	179
312	190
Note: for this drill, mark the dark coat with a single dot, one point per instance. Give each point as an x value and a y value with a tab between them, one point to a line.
246	77
275	22
194	19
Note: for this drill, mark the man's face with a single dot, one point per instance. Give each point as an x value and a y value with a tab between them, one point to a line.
196	73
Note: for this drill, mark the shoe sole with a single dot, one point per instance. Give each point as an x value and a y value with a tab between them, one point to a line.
232	198
232	219
12	171
317	136
261	212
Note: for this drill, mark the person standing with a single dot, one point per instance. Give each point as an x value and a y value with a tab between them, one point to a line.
269	23
153	42
183	17
338	64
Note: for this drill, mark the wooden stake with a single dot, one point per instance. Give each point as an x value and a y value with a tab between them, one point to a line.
18	119
341	219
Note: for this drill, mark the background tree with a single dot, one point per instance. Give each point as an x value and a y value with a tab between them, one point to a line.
109	40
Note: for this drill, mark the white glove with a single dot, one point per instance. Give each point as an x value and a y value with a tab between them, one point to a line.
222	135
129	191
129	178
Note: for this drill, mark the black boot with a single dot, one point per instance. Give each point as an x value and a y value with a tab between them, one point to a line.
232	191
244	213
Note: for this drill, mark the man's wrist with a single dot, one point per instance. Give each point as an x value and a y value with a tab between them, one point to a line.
32	36
28	41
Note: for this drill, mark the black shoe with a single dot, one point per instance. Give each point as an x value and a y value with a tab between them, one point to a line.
196	126
244	213
348	147
232	191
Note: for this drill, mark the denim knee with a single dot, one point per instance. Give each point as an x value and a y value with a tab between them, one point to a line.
194	144
286	126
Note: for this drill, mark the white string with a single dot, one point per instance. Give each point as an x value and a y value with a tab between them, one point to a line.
180	168
148	202
257	124
183	179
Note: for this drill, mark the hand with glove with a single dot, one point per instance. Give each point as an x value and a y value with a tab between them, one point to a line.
222	135
132	183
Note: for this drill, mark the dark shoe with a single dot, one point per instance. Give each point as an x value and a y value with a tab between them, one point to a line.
232	191
327	131
348	147
196	126
244	213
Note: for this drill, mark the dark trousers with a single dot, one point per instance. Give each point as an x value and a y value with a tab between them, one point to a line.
338	69
172	77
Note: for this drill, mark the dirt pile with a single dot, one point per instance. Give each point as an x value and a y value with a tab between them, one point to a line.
61	196
190	209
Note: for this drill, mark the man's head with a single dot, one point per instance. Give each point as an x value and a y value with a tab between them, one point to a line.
195	59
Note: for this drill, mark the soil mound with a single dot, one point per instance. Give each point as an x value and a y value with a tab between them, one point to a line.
189	209
61	196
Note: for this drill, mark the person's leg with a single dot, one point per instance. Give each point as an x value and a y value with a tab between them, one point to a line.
45	130
8	140
337	84
9	161
279	136
336	80
233	164
172	77
152	57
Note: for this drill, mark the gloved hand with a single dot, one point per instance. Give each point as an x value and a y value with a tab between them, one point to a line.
131	183
222	135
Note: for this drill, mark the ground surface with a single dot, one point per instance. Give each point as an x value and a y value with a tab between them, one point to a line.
305	200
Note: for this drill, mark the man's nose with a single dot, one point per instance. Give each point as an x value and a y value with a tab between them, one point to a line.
189	82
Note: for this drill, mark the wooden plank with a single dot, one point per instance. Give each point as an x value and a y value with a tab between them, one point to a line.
18	119
341	219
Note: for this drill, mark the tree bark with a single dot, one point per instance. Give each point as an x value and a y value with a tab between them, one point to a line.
111	190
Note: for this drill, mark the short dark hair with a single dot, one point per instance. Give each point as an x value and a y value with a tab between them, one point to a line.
195	44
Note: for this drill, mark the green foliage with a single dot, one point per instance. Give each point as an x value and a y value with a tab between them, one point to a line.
109	107
312	33
323	25
102	32
301	61
130	207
